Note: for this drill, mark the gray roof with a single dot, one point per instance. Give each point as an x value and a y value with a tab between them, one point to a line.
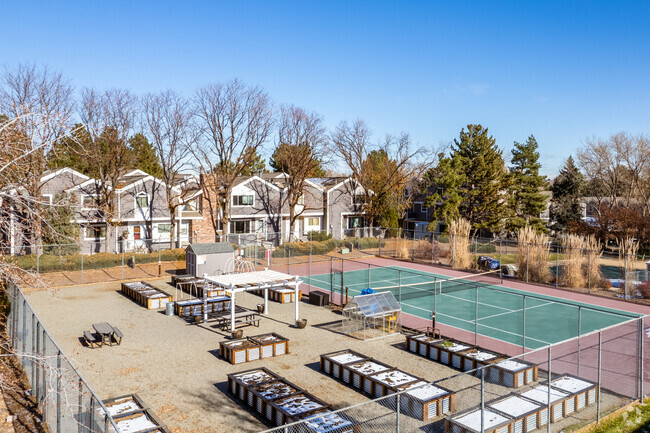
210	248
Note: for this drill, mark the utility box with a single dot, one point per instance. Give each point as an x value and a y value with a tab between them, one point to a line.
209	258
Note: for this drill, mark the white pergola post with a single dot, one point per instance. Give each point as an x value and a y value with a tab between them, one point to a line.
266	300
296	300
232	308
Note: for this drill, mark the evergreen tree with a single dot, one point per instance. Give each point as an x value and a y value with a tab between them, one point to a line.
69	152
257	165
145	156
279	164
526	200
60	227
472	180
567	189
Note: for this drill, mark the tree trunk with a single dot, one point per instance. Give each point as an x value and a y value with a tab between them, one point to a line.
225	220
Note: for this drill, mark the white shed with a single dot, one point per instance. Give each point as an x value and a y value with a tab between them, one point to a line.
209	258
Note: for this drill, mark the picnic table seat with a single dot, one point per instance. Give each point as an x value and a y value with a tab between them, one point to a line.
90	339
117	335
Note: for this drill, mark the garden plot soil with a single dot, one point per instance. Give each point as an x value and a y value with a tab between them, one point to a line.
175	367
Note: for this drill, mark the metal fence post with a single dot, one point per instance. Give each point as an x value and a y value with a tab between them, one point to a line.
433	247
80	422
59	374
399	286
482	400
527	259
523	329
38	262
397	411
557	265
122	248
641	350
379	237
289	270
311	240
579	333
589	271
600	365
476	317
625	277
82	266
453	251
369	284
548	397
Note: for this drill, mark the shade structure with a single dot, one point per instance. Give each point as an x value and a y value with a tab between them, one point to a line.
375	315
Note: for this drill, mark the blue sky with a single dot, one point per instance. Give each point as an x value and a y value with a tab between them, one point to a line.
563	71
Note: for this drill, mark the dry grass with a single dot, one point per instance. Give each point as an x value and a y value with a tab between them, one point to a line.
626	254
533	256
459	232
573	275
593	252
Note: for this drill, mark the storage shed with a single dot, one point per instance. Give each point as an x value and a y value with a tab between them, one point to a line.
208	258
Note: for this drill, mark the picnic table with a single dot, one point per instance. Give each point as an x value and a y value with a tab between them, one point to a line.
246	317
107	333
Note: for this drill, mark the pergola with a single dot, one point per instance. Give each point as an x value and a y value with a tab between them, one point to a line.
258	280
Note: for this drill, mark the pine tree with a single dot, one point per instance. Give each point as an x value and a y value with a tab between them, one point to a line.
145	156
68	152
472	179
526	200
567	189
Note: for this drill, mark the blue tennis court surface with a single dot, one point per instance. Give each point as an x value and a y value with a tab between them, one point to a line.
491	309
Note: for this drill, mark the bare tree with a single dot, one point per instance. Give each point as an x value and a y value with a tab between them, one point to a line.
299	153
235	120
109	117
168	120
384	169
38	106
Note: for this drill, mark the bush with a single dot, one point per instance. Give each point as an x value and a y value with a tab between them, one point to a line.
644	289
484	248
72	262
318	236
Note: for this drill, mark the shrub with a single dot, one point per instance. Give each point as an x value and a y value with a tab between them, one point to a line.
460	230
644	289
318	236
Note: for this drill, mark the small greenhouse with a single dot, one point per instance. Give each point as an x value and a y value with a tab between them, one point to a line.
371	316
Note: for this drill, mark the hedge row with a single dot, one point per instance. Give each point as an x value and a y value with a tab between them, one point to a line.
72	262
325	247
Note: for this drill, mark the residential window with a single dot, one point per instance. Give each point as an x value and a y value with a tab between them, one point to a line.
190	206
240	226
301	200
90	200
313	222
136	233
355	222
142	202
359	199
46	199
96	232
164	229
242	200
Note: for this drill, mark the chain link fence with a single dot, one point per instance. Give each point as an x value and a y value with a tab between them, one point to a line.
67	402
562	386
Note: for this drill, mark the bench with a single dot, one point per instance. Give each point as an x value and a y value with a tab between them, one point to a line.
90	339
117	335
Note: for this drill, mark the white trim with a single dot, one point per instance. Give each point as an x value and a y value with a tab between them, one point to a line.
315	185
137	171
83	207
142	181
82	184
62	170
261	180
86	238
51	198
135	201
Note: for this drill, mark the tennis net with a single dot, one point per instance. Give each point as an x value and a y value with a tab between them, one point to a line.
440	286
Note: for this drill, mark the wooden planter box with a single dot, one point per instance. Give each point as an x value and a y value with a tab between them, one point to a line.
328	422
156	300
334	363
426	401
123	405
291	408
583	393
239	351
470	422
361	371
450	352
387	382
147	295
512	373
141	421
271	344
194	307
527	415
181	278
238	383
283	296
477	358
421	344
259	396
539	395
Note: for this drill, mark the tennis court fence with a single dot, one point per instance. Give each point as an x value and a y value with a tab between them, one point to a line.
564	385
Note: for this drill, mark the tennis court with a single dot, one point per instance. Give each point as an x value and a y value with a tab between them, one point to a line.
478	304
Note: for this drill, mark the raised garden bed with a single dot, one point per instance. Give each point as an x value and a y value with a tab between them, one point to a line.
131	415
477	358
260	395
328	422
123	405
424	401
583	393
335	363
253	348
387	382
470	422
512	373
238	383
194	307
558	400
527	415
361	371
450	352
420	344
283	296
146	295
294	407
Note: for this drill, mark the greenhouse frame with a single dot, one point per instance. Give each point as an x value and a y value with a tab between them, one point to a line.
372	316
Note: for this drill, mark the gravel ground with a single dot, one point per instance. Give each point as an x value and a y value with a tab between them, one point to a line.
174	366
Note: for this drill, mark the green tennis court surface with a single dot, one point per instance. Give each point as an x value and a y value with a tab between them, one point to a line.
490	309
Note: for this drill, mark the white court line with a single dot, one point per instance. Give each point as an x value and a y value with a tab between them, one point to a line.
516	311
474	302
